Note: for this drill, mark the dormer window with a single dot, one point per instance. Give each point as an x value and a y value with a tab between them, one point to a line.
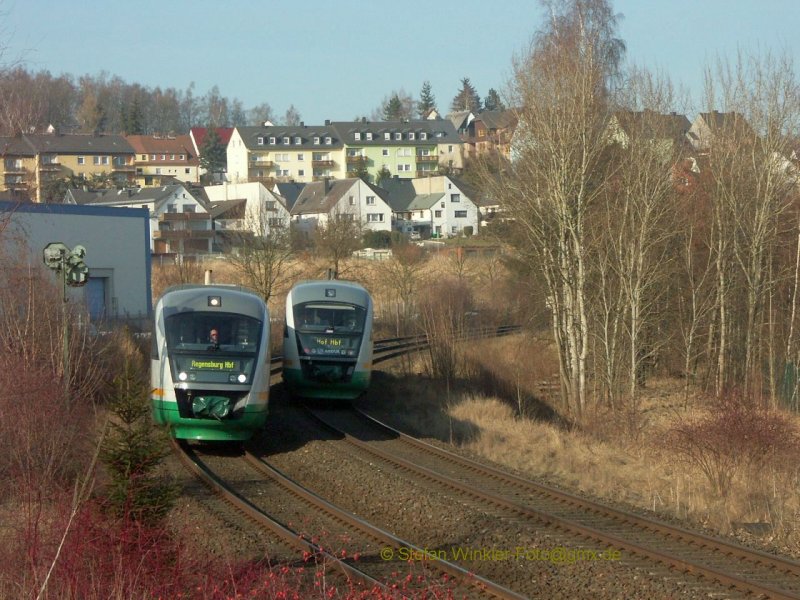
286	140
297	140
328	141
316	139
387	136
260	140
398	136
357	135
411	135
369	136
272	140
423	135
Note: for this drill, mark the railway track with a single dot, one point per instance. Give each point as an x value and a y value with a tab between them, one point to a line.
732	566
370	571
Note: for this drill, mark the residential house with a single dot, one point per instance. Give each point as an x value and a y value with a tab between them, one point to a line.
271	154
262	209
710	125
438	206
352	199
179	221
671	130
32	161
406	149
164	159
344	149
490	131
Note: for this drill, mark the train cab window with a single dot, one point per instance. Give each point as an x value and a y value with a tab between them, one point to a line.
329	317
191	331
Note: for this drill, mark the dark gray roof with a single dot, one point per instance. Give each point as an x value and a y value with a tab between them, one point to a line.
435	132
400	193
305	133
459	118
727	121
15	146
78	143
321	196
289	191
674	126
497	119
137	196
223	206
81	196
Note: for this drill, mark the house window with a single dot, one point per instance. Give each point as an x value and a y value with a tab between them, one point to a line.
297	141
144	157
398	136
450	148
454	229
385	152
172	208
422	214
163	157
437	214
186	170
455	197
158	170
357	135
328	141
369	135
286	140
316	139
152	157
461	214
189	208
300	157
261	140
301	173
182	156
81	160
404	167
282	157
352	201
404	152
411	135
370	200
272	140
104	160
387	136
283	172
375	218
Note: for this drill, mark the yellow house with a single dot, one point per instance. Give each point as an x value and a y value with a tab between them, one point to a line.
32	161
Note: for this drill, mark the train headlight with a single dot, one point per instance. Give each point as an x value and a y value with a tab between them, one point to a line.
183	376
242	378
215	301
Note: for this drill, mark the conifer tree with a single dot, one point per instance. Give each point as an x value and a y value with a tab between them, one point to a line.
427	101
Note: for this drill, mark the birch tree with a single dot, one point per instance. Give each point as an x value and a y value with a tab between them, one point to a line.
559	172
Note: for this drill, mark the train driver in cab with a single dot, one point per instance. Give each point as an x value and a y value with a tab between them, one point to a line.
213	337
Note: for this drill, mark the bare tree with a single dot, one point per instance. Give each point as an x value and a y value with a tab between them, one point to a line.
402	275
337	239
560	171
751	195
261	253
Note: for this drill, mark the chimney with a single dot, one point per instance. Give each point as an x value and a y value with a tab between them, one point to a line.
363	119
302	124
327	121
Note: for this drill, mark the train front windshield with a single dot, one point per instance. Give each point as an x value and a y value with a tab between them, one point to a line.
329	329
212	347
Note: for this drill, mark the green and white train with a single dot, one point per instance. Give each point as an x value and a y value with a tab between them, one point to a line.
327	340
210	362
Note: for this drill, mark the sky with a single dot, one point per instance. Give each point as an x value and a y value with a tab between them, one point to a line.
341	59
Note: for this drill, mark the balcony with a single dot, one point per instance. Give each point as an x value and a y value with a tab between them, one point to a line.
185	216
51	166
123	168
430	158
262	164
322	163
230	224
12	169
183	234
355	159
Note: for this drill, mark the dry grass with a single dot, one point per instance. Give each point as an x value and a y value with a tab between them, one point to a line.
628	460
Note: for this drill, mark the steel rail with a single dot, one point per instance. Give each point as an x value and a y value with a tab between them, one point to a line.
668	531
381	535
196	466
